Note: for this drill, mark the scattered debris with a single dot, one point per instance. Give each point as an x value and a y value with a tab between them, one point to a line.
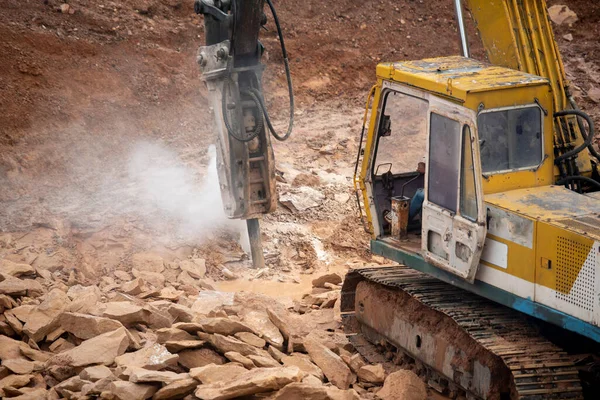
561	14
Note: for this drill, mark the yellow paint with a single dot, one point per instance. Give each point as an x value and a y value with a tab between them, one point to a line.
359	185
456	77
517	34
521	259
567	252
547	203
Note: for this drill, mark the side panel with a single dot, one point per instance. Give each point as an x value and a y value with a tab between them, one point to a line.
508	259
566	269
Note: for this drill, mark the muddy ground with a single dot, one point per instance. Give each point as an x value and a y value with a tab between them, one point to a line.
105	133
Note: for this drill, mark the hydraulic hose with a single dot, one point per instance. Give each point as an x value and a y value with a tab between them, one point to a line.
585	135
288	76
259	121
257	96
565	181
588	140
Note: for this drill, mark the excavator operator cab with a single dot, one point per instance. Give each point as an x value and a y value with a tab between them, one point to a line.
479	129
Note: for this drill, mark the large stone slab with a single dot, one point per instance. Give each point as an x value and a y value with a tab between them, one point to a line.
12	286
199	358
16	269
44	318
403	385
303	362
334	368
212	373
305	391
86	326
333	278
258	380
176	390
223	326
123	390
226	344
125	312
102	349
155	357
372	374
142	375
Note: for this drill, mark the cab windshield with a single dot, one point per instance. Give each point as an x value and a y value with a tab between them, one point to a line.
510	139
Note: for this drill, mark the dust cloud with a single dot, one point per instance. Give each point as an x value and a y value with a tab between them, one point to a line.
165	184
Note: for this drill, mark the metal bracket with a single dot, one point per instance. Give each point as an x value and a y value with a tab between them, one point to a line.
213	60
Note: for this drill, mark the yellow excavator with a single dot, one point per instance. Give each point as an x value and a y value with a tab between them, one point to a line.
497	236
497	233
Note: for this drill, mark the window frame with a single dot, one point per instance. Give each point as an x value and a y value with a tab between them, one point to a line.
460	124
461	180
381	111
542	137
464	117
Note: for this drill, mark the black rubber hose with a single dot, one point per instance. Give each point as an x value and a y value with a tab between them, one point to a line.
587	142
565	181
591	148
288	76
259	122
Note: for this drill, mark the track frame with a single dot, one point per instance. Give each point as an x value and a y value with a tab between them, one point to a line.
390	251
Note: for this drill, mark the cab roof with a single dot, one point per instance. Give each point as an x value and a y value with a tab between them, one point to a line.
456	76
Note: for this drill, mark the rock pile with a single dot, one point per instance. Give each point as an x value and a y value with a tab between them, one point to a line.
140	337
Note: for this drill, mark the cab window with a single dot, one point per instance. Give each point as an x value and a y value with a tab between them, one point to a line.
444	153
510	139
402	134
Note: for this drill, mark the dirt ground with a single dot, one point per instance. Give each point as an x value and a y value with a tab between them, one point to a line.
105	132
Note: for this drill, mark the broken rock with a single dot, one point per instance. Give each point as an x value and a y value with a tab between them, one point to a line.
177	346
125	312
303	362
164	335
333	278
176	390
12	286
134	287
263	361
15	269
142	375
86	326
223	326
44	318
402	385
95	373
372	374
199	358
259	380
195	268
561	14
102	349
238	358
131	391
215	373
334	368
155	357
19	366
261	324
251	339
226	344
302	391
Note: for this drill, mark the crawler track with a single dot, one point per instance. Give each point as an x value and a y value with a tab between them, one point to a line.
488	350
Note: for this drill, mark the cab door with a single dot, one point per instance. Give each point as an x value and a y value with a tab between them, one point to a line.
454	225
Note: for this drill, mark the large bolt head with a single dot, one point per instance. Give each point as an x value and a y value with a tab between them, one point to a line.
201	60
